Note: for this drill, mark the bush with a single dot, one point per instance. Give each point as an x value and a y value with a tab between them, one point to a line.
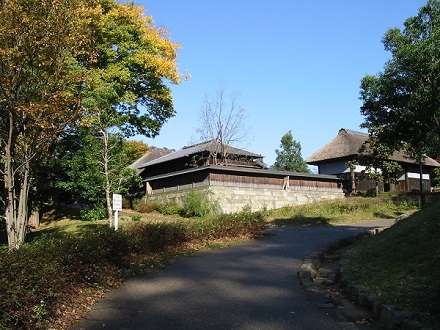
367	193
236	224
196	204
154	236
136	217
127	203
144	206
94	214
169	208
38	279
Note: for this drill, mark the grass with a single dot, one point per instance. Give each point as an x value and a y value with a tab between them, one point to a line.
401	264
68	264
344	211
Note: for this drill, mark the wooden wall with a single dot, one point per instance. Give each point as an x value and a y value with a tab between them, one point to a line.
257	180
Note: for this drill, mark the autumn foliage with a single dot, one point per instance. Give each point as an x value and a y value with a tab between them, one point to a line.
70	63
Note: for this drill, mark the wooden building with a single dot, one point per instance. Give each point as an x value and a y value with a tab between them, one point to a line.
333	158
235	177
152	154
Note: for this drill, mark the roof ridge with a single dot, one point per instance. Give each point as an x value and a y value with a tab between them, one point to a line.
196	144
351	131
199	147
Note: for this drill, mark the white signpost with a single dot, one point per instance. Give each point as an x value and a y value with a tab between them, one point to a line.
117	205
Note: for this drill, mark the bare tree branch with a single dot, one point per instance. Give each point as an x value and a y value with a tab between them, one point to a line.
222	120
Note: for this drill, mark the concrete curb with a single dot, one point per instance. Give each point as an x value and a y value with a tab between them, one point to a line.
388	317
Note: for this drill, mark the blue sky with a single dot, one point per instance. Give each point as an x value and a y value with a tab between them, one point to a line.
297	65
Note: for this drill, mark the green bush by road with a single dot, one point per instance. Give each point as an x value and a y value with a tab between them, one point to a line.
52	279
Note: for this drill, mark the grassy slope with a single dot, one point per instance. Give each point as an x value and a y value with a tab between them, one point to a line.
402	264
343	211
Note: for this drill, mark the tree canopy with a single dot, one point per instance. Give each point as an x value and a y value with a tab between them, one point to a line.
41	44
401	105
98	64
289	157
127	79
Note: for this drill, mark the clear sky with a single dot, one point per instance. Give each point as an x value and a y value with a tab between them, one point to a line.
297	64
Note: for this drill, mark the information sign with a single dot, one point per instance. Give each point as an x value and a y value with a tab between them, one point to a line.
117	202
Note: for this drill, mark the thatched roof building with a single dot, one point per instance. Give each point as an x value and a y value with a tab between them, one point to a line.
347	145
333	157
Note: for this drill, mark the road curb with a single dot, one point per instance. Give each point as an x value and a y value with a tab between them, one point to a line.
314	280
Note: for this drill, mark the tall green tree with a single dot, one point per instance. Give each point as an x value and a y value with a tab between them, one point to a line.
289	157
375	157
127	92
401	105
81	164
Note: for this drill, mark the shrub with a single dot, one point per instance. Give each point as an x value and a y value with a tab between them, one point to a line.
127	203
367	193
235	224
144	206
196	204
169	208
93	215
136	217
155	236
36	280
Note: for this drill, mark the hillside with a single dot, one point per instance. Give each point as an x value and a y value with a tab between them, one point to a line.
401	264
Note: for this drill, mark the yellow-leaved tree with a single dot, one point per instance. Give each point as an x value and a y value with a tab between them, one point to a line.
40	82
70	62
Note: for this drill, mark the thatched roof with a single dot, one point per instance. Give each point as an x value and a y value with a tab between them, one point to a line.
347	144
209	146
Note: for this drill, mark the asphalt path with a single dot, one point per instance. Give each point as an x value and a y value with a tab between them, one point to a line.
249	286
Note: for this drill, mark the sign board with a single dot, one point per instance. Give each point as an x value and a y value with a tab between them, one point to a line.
117	202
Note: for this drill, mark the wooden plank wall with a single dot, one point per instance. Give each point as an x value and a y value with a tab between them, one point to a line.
228	180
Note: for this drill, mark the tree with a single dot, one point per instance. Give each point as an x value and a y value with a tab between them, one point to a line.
289	157
401	105
135	150
40	83
83	163
65	63
222	121
127	91
375	157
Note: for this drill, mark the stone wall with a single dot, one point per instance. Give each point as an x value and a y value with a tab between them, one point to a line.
232	199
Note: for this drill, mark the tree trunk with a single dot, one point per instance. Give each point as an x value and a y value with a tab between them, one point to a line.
422	192
105	156
16	201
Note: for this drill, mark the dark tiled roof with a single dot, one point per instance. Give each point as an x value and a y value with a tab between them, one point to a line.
234	169
152	154
347	144
210	146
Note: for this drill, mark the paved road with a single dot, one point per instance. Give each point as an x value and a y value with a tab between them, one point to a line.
250	286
